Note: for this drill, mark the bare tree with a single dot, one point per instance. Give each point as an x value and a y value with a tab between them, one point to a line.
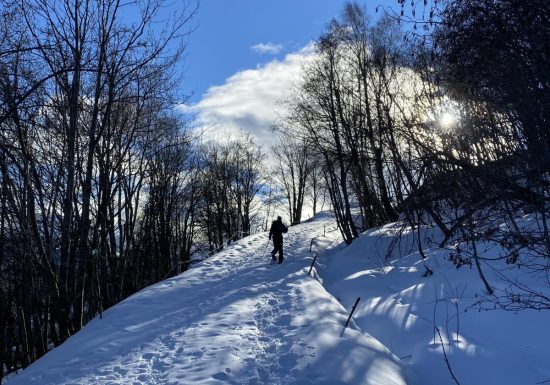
293	170
231	182
83	93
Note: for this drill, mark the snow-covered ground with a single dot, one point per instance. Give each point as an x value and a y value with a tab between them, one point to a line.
404	311
235	319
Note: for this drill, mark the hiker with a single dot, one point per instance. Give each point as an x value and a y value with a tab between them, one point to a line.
276	231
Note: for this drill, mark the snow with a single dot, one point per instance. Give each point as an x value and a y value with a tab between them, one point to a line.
232	319
402	310
235	319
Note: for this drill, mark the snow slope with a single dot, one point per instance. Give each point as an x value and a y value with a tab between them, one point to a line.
233	319
402	309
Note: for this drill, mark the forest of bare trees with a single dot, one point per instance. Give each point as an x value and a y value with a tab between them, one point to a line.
86	142
445	125
104	190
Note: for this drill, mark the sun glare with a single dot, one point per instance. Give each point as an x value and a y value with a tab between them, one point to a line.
447	119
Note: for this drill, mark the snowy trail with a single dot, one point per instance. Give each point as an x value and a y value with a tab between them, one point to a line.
233	319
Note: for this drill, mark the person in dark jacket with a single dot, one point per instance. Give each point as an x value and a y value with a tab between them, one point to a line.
276	231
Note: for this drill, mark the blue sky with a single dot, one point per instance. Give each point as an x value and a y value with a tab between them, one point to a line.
245	56
228	29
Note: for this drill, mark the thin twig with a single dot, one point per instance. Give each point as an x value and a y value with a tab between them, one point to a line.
446	358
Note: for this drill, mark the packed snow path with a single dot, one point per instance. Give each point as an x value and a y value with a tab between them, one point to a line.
233	319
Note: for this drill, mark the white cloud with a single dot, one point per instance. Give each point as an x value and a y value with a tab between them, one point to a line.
246	102
270	48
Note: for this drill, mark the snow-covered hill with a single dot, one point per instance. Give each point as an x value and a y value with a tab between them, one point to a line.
233	319
404	311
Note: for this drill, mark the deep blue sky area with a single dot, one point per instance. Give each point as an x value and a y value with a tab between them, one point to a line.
227	29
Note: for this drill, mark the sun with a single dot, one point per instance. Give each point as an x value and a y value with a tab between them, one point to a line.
447	119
